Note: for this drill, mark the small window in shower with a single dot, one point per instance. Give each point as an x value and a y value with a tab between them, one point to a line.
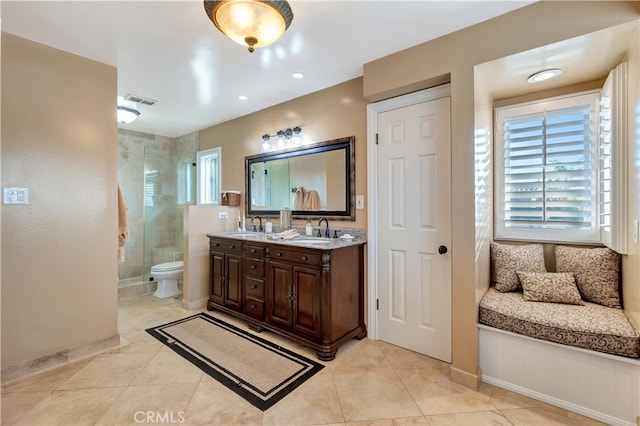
209	172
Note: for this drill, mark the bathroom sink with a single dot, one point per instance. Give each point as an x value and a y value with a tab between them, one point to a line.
244	234
313	241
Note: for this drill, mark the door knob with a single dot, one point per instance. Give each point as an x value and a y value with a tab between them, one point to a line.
442	249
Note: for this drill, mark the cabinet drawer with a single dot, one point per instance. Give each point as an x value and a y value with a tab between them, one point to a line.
254	287
254	307
252	250
254	267
304	257
226	246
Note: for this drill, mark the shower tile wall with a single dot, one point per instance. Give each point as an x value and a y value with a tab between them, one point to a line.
151	174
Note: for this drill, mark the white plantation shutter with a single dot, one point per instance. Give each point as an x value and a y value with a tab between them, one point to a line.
546	171
613	156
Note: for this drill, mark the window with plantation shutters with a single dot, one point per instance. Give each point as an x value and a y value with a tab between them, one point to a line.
547	170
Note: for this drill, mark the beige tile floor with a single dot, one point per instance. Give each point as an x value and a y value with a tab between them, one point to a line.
369	383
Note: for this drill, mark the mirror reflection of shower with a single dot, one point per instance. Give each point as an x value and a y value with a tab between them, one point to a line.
157	175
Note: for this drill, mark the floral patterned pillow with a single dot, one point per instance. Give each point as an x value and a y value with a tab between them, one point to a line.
558	287
597	272
508	259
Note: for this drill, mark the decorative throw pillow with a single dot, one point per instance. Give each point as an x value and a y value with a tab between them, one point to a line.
597	272
508	259
558	287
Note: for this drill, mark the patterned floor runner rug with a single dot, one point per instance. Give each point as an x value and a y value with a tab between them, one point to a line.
258	370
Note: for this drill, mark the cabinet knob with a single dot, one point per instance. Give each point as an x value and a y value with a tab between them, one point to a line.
254	286
217	244
253	306
279	253
253	266
253	250
304	257
233	247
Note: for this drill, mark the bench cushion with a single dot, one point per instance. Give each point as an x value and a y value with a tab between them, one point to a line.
591	326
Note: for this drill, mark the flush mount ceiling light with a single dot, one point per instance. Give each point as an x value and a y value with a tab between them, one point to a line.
544	75
252	23
127	115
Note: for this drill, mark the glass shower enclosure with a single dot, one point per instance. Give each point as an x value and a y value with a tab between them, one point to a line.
158	182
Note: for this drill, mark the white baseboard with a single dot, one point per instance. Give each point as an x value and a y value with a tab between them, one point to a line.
600	386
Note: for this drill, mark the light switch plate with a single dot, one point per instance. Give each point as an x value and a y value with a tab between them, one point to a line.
359	202
15	195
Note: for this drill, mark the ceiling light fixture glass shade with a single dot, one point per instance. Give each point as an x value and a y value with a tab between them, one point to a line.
252	23
544	75
127	115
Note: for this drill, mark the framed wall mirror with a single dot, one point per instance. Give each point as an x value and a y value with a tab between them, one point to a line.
312	181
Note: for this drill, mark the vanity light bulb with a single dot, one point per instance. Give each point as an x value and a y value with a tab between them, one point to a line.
297	139
265	146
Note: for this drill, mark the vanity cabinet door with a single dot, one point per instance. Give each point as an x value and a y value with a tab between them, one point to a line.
306	301
226	273
294	298
217	277
279	294
233	287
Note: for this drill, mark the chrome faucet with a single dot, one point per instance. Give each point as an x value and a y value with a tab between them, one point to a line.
253	227
326	232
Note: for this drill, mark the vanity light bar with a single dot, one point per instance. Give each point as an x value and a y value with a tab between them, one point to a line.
282	135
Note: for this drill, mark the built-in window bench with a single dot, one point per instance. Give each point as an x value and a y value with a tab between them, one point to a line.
561	336
580	357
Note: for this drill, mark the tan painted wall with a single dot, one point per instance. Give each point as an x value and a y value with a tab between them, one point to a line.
198	222
59	139
457	54
332	113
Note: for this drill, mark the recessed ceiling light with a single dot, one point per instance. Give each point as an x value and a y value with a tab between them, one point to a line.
297	75
243	97
544	75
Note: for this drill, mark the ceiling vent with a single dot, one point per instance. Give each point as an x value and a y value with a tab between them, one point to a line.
139	99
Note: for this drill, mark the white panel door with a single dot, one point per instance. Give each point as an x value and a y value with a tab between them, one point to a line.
414	227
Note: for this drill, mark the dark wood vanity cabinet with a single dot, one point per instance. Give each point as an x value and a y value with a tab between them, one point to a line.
314	296
226	273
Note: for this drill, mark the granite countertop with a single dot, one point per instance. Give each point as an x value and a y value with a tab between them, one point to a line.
299	241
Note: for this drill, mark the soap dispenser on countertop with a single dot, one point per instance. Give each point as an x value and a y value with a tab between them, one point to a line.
268	227
309	228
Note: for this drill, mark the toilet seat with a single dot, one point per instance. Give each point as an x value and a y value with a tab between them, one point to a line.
168	266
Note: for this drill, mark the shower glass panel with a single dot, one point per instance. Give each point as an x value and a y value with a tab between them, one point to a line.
169	186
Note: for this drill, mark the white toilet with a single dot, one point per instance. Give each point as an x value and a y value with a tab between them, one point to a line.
167	274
